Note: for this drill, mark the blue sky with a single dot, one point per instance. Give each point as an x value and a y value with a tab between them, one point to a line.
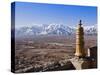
27	13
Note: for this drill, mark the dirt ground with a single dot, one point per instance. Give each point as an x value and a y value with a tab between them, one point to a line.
43	53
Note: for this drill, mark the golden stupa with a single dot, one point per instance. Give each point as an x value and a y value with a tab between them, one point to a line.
80	52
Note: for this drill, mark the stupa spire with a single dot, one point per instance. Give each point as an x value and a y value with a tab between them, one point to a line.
80	40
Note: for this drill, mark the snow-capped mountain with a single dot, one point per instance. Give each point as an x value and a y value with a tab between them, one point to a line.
58	29
90	30
52	29
34	30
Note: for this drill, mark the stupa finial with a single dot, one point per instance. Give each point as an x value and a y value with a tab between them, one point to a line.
80	22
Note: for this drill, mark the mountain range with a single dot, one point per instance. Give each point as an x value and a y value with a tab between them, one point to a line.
53	29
